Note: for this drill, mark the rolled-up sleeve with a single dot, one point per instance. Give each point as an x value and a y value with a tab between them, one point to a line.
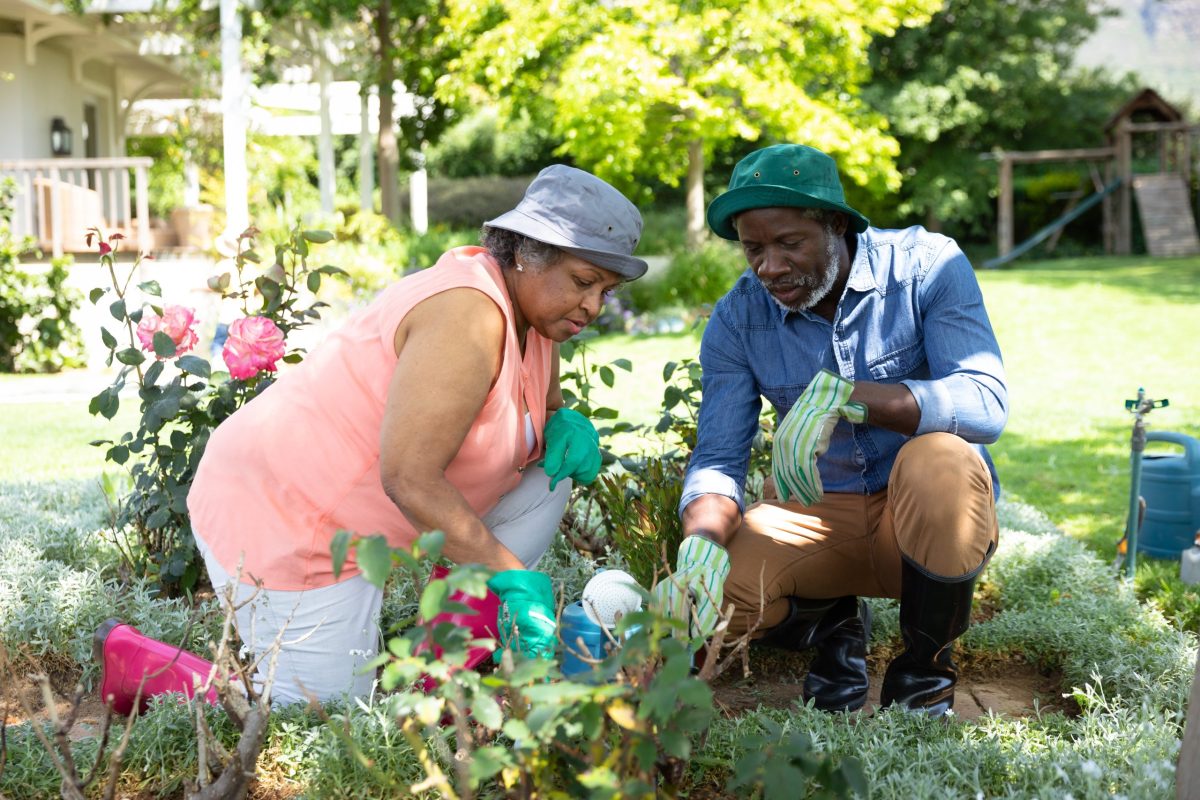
966	393
729	411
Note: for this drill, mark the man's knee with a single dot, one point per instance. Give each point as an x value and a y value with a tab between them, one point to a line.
940	494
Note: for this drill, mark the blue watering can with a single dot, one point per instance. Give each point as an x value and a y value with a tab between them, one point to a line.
1170	486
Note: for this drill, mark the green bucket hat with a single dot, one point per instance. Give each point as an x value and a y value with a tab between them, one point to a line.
787	175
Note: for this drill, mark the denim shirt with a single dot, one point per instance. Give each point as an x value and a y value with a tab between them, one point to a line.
911	313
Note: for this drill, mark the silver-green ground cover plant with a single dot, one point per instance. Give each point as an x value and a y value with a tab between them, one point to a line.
1057	607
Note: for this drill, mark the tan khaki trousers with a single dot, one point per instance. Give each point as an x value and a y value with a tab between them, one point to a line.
938	510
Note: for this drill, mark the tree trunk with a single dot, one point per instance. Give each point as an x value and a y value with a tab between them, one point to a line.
389	152
697	232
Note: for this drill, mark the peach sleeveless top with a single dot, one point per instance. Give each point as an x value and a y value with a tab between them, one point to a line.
299	462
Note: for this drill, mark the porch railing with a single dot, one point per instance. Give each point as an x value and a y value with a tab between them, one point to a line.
59	199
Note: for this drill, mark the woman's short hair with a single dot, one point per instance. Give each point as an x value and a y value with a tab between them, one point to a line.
508	247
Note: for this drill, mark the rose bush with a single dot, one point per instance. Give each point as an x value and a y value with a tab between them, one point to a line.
181	398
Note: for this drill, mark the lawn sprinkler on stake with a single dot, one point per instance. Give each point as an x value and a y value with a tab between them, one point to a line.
1128	545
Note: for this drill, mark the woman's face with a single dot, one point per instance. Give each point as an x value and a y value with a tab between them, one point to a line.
561	300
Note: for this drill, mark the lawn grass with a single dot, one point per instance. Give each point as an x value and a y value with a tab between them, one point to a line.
50	441
1079	337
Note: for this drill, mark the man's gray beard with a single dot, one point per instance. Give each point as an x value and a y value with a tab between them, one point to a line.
820	284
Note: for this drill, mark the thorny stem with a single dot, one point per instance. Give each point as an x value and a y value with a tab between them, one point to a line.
435	778
462	758
109	260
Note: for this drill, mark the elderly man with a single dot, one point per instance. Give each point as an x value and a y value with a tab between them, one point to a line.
876	352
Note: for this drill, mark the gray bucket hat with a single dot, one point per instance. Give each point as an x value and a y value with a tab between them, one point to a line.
577	212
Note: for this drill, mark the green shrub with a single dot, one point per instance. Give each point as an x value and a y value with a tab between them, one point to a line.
480	145
664	231
1158	582
49	610
693	279
469	202
36	331
425	249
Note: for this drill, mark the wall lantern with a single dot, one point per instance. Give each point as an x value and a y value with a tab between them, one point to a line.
60	137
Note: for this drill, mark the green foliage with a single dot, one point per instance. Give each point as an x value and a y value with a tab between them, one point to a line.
980	77
641	514
692	280
578	383
662	231
166	171
181	407
285	178
479	145
628	87
1046	584
778	762
1158	582
468	202
626	734
59	580
424	249
1124	741
36	331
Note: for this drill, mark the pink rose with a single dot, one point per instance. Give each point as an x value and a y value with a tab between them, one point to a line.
176	322
254	344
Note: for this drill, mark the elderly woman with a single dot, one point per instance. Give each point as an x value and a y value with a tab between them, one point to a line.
431	408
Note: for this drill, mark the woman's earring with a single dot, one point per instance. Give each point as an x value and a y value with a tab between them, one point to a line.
520	268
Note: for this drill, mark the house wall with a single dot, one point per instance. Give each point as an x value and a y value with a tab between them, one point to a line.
37	94
12	67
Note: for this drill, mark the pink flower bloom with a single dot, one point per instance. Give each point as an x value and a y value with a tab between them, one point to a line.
254	344
105	249
175	322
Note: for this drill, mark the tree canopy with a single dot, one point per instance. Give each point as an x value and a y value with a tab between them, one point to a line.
981	76
639	90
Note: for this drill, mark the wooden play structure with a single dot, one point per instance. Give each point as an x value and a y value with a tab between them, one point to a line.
1163	194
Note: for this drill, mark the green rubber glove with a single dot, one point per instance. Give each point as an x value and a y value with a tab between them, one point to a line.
572	448
527	612
696	591
804	435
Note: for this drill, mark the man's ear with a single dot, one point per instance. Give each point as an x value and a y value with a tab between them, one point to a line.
841	222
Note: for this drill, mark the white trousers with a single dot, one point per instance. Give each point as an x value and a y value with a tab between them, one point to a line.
332	632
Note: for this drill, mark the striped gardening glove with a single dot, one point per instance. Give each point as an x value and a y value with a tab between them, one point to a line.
697	589
804	435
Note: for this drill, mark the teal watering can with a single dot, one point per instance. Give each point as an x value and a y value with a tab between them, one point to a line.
1170	485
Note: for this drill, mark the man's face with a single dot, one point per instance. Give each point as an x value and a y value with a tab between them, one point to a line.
796	258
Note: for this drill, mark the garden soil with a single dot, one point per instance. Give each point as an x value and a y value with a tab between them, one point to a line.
1008	688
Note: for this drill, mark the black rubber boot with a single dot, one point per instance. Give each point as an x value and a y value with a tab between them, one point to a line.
837	679
839	629
934	611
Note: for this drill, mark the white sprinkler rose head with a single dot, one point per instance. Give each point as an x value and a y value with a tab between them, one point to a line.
610	594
